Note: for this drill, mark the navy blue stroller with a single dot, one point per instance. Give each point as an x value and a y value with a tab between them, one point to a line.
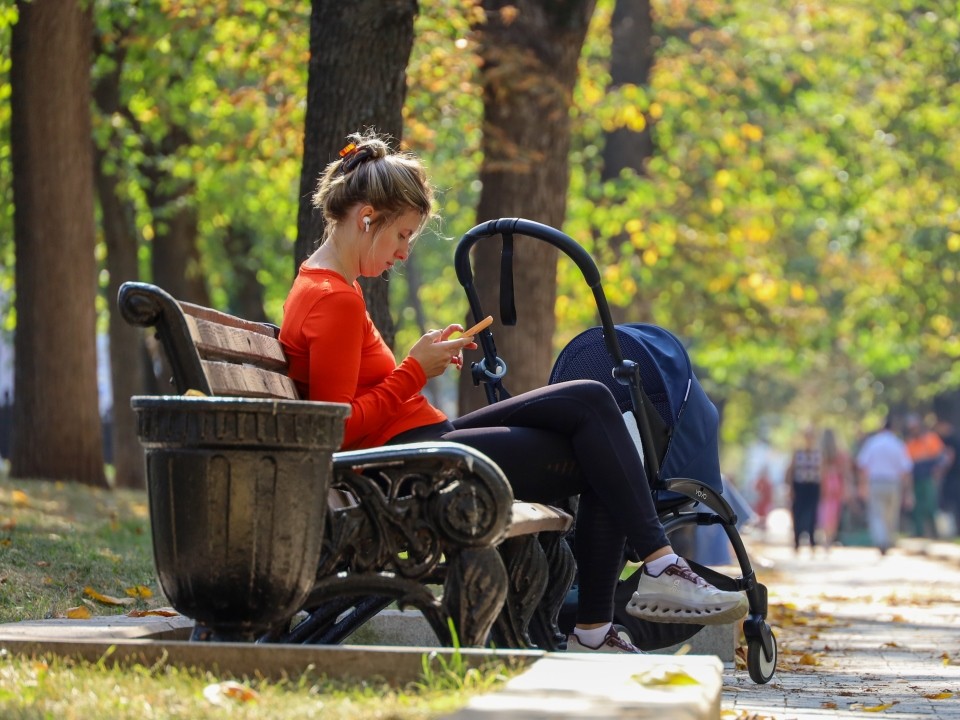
649	372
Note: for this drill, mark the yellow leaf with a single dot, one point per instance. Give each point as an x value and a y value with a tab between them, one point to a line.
20	498
195	393
106	599
139	591
80	612
939	696
879	708
666	676
808	659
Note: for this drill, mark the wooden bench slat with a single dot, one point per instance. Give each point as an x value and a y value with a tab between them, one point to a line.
247	381
534	517
222	318
239	345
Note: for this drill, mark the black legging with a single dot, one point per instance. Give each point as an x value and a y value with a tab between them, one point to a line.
806	498
563	440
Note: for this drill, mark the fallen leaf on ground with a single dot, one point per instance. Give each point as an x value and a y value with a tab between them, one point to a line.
139	591
19	497
939	696
81	612
827	705
146	613
218	693
665	676
873	708
106	599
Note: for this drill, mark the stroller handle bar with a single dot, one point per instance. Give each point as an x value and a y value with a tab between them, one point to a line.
626	372
507	228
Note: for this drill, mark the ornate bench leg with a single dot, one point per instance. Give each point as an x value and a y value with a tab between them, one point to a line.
544	627
473	593
528	576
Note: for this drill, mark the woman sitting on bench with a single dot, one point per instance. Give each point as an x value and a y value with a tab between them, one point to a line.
552	443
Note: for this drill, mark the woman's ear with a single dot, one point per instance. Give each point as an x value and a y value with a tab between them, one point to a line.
365	218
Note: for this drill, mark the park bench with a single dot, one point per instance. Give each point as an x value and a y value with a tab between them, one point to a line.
402	521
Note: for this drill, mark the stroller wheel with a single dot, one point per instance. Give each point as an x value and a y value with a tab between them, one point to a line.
761	668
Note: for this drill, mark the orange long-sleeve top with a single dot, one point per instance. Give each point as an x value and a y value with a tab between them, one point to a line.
336	354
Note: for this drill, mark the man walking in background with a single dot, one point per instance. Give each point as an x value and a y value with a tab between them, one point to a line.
885	470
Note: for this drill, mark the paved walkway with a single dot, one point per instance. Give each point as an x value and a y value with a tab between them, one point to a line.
860	635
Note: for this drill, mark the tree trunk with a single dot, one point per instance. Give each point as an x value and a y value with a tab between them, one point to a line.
57	431
529	51
127	371
126	341
631	60
175	258
246	292
357	79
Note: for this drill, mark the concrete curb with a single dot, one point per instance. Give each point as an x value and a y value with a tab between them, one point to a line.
552	685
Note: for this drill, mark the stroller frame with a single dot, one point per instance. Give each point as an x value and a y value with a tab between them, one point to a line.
674	514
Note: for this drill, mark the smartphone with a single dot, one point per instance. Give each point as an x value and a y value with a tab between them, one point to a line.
486	322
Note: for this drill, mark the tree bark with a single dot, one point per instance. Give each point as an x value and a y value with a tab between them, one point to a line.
127	371
175	258
357	79
246	292
529	52
126	341
631	60
57	432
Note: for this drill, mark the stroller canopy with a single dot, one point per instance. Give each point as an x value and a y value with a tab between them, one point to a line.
690	418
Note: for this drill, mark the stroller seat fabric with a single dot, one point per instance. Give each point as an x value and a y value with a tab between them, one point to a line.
683	419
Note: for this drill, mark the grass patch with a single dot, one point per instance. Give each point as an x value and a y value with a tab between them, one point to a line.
32	689
58	539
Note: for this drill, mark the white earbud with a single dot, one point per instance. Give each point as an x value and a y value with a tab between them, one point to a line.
366	222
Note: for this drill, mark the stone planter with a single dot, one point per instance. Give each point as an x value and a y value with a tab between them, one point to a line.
238	500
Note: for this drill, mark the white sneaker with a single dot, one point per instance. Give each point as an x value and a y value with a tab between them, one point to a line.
679	595
612	643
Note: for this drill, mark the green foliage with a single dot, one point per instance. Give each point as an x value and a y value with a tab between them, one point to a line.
442	118
8	17
797	223
212	99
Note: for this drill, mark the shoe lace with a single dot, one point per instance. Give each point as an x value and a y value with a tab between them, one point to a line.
685	572
613	638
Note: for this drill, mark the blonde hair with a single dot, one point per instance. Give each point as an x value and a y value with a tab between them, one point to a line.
371	173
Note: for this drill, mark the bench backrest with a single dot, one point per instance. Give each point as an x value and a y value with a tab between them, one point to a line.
210	351
238	357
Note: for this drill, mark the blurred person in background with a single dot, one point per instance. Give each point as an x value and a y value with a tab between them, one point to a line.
886	480
930	461
950	483
803	484
835	477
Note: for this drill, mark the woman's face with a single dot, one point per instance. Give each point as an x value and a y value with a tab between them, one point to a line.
389	244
